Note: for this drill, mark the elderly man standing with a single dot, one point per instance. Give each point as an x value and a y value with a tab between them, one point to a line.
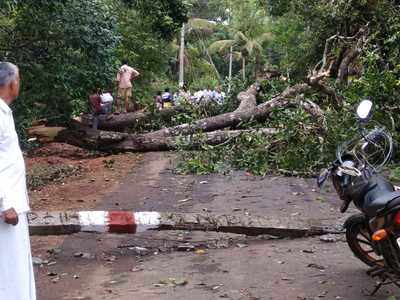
16	271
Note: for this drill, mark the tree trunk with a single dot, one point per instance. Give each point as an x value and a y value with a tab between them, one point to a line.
122	142
343	71
248	99
230	69
43	134
257	66
244	68
182	58
119	122
211	61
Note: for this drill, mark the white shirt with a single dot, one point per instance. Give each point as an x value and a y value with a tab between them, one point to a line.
106	98
219	97
166	96
198	96
13	192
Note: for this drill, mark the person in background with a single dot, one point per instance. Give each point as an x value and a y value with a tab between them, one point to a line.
210	93
17	280
219	96
159	101
101	105
185	93
207	95
175	98
167	98
95	107
124	79
198	97
182	96
106	102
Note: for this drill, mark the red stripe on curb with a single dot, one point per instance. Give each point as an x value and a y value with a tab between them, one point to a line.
121	222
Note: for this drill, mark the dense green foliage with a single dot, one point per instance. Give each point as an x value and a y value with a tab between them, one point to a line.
61	65
66	49
164	16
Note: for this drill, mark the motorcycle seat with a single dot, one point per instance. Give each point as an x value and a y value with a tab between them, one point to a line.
385	201
380	193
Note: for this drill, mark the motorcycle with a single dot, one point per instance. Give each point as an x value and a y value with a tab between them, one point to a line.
373	235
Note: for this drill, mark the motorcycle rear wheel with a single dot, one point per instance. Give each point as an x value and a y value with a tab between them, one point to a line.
359	240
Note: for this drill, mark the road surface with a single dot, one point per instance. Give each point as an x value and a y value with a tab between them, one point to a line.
196	265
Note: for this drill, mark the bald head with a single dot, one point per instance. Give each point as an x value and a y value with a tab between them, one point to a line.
9	81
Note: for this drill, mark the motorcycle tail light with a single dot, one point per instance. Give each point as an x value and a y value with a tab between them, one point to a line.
380	235
397	218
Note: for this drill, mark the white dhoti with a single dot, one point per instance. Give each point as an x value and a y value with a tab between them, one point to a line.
16	270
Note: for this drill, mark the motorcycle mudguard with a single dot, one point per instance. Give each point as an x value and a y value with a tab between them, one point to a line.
358	218
345	206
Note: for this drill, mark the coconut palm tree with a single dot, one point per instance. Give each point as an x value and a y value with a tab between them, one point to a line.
245	47
197	59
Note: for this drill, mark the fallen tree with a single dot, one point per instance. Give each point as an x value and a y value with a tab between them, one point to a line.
217	129
209	129
116	141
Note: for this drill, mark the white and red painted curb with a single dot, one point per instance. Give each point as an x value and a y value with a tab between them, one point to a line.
70	222
118	221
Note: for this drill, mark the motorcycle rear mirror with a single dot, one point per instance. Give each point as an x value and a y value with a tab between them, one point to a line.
364	110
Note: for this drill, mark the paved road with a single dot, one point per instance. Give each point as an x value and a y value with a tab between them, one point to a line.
230	267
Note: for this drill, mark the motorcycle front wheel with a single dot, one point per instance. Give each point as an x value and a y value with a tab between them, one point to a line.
359	240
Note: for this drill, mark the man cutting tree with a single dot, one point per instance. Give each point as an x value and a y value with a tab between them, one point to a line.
124	78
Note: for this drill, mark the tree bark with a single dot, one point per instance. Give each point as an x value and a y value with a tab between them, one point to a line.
244	68
248	99
123	142
349	57
43	134
318	84
118	122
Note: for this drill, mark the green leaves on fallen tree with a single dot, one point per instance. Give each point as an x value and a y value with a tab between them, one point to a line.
297	148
